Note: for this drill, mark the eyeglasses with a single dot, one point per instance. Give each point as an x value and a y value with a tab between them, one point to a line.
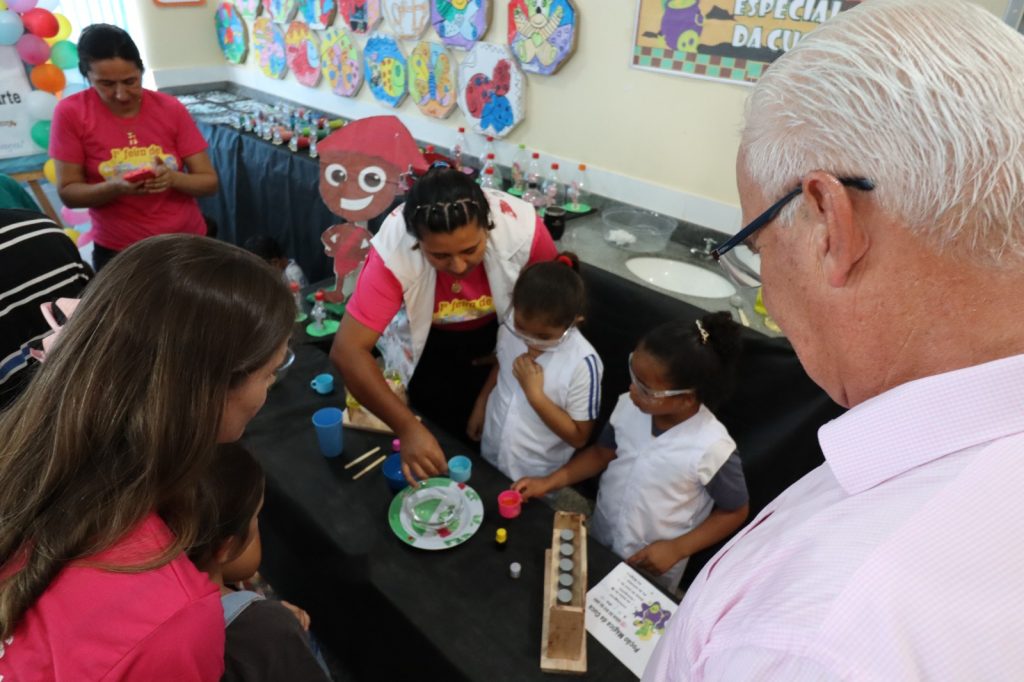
650	393
743	274
532	341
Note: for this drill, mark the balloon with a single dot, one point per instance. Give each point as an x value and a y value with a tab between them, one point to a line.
48	77
41	133
40	105
10	27
63	28
64	55
72	217
3	5
40	22
32	49
21	5
50	171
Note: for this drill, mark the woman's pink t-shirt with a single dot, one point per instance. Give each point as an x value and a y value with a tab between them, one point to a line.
86	133
378	294
93	624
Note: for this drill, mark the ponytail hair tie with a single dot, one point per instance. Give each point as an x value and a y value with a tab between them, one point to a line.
565	260
703	333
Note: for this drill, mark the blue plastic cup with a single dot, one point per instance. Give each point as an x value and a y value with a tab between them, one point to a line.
327	421
459	468
393	472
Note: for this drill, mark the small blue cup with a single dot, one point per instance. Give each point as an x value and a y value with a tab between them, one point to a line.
393	472
459	468
322	384
327	421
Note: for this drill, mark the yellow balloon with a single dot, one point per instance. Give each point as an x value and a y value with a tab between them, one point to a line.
3	5
50	171
63	28
72	234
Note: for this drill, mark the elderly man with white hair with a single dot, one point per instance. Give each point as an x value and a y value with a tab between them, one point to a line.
881	168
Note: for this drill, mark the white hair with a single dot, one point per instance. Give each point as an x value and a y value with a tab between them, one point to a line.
923	97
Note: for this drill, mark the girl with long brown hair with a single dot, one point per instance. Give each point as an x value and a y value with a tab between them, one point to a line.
170	352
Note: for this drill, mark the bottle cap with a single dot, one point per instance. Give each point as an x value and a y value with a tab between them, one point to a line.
461	129
522	146
319	295
554	166
583	166
489	170
430	149
536	155
501	535
294	286
490	138
565	565
396	445
565	596
515	569
490	155
567	535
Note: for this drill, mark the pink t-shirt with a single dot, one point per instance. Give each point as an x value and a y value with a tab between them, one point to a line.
91	624
458	304
86	133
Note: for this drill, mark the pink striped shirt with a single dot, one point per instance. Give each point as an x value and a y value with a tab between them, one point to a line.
900	558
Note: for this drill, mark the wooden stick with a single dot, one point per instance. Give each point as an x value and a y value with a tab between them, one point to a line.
370	466
363	456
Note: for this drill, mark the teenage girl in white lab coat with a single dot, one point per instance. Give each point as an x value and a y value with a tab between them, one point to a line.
672	483
540	402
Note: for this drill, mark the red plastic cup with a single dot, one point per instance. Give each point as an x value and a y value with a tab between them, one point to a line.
510	503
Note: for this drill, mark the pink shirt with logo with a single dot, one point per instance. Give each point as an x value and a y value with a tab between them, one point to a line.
85	132
92	624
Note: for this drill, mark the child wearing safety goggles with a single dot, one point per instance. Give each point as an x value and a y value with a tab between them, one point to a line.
672	482
539	404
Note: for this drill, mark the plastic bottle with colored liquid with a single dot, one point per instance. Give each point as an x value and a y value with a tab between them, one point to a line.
519	172
487	179
319	313
460	148
575	191
300	313
552	187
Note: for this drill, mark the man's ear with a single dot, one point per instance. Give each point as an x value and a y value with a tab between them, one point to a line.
842	241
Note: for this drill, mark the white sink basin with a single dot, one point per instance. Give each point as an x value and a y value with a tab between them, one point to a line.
682	278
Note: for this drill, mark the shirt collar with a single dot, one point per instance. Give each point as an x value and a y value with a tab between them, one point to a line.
923	420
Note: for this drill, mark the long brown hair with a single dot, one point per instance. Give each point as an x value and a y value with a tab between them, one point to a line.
122	418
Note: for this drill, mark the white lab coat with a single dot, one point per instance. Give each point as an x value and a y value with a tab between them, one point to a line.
515	439
654	488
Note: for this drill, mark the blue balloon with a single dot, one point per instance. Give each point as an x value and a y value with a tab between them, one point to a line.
10	27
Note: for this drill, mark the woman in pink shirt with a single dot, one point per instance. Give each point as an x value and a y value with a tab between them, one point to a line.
103	136
170	352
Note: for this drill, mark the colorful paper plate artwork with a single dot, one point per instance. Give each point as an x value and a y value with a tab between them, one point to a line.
268	41
249	9
341	62
492	90
232	35
385	69
542	33
432	79
280	11
303	50
407	18
319	14
460	23
360	16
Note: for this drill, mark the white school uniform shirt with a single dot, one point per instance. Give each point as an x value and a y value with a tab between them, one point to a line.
654	489
515	439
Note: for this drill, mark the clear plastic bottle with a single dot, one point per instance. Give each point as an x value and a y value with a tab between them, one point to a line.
275	130
293	143
576	200
519	171
534	173
489	147
315	135
491	162
460	149
488	180
552	187
300	312
319	313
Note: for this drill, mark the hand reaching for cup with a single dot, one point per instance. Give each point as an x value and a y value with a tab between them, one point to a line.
422	456
530	487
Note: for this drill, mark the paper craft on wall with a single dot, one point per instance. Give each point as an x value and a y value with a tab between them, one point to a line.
386	70
460	23
407	18
303	50
432	79
280	11
361	168
361	16
232	34
318	14
249	9
268	42
542	33
492	90
341	62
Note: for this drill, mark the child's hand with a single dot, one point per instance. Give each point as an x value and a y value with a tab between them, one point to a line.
530	487
475	425
529	374
299	614
656	557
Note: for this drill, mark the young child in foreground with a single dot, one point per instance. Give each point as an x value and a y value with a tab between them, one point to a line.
540	401
266	640
672	482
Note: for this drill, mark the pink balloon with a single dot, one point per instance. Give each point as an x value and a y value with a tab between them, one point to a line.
20	6
32	49
74	217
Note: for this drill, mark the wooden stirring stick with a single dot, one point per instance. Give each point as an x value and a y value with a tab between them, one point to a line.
370	466
363	456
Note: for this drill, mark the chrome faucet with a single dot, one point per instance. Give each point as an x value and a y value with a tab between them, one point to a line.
704	253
